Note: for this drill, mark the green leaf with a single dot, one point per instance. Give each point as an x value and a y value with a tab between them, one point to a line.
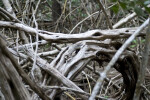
143	40
123	5
134	41
138	11
105	96
147	9
131	4
115	8
132	46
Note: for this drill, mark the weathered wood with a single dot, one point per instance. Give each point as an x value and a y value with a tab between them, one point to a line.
11	84
24	76
69	38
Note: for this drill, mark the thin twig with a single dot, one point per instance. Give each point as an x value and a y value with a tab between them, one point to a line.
107	17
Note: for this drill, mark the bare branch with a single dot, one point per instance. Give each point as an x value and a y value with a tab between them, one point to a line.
60	37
